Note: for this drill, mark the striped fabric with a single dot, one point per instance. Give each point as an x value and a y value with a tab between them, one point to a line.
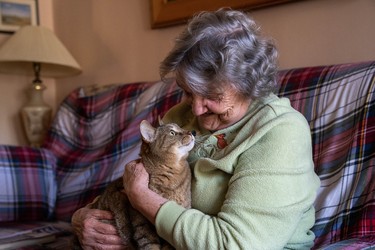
95	134
93	137
339	103
363	243
27	184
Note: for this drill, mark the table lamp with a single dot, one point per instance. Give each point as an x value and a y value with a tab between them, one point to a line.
35	50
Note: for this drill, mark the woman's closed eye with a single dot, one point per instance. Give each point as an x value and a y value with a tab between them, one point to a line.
188	95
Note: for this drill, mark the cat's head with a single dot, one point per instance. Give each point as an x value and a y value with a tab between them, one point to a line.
167	137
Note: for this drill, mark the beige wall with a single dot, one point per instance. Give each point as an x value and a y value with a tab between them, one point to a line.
321	31
113	42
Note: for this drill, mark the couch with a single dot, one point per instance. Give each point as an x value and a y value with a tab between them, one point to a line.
95	133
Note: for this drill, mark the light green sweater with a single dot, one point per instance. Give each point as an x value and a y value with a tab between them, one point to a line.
256	193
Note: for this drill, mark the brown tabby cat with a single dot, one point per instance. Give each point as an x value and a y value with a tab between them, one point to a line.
163	152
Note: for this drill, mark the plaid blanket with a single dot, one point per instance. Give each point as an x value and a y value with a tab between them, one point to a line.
339	103
94	136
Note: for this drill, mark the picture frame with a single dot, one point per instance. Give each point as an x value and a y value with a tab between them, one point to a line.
165	13
17	13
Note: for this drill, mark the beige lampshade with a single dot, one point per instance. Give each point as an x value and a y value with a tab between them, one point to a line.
37	44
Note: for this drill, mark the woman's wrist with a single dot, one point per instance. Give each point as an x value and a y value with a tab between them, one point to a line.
148	203
136	181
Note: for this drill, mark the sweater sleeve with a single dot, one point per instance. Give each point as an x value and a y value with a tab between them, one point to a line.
269	200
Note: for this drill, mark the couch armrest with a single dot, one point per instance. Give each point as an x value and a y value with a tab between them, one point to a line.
27	177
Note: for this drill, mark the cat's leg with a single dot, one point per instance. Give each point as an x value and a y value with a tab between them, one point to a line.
119	205
144	231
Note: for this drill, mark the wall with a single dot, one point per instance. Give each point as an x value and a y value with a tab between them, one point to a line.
113	42
321	31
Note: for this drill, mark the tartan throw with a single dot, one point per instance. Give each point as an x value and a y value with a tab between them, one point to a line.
28	184
339	103
364	243
94	136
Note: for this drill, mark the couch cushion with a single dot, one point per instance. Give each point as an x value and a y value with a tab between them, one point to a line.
94	137
339	103
28	184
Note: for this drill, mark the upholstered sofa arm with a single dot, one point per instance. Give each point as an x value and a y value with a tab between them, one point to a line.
28	184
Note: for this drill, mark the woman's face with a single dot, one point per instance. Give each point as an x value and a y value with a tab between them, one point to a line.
218	113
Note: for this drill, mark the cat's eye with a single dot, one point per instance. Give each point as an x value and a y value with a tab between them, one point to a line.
172	133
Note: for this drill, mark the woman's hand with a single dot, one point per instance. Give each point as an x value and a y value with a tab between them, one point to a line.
135	181
94	234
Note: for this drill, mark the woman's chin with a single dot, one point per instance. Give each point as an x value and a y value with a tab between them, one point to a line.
211	123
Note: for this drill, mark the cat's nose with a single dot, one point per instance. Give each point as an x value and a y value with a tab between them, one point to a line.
193	132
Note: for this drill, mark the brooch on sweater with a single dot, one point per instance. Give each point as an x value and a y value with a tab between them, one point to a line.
221	142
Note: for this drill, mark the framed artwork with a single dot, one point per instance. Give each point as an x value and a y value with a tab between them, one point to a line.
17	13
170	12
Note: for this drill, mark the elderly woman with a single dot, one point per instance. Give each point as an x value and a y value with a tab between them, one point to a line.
253	181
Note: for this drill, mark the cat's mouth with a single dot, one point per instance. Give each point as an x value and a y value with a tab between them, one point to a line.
188	141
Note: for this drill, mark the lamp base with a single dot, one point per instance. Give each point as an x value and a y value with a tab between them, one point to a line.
36	116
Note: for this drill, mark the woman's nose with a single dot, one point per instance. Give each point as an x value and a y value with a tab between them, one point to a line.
198	105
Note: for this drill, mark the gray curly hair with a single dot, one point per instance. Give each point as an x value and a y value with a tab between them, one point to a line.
221	47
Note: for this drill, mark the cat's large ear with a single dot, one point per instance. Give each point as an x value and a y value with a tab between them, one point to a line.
160	121
147	131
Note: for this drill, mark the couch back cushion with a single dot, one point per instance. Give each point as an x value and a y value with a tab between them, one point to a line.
95	133
339	103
